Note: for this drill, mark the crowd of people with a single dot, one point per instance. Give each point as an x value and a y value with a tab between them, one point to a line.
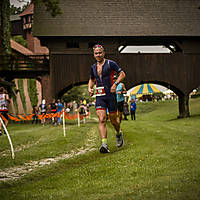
43	108
56	107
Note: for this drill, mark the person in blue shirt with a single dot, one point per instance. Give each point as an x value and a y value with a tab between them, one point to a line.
59	109
120	91
102	73
133	108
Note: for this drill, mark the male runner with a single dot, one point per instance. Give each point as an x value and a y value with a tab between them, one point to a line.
102	73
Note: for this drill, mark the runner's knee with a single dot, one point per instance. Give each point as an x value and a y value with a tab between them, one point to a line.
102	119
113	120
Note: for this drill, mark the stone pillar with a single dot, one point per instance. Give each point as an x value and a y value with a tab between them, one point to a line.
183	101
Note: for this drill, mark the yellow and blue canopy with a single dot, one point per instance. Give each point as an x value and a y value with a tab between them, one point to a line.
146	88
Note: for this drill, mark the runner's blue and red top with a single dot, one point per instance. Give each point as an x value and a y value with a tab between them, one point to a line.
108	70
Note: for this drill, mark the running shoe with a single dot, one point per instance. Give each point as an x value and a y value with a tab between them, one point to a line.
120	140
0	133
104	148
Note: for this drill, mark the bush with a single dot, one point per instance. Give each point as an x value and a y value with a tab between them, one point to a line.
21	89
32	91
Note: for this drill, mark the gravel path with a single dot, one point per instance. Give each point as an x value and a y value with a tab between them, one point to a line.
17	172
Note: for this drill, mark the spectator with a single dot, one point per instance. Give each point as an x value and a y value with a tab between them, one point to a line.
59	110
133	109
43	111
53	108
4	101
35	114
126	110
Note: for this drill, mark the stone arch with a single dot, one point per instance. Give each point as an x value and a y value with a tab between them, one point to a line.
64	90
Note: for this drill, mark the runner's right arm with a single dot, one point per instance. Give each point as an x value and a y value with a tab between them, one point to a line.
90	86
91	82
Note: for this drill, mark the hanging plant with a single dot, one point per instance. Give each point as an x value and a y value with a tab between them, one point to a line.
5	24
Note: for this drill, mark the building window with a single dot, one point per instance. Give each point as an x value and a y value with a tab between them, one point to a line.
72	44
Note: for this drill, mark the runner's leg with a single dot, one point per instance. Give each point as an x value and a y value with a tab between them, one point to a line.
115	121
102	123
114	118
103	131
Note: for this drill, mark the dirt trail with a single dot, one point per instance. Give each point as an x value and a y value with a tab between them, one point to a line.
17	172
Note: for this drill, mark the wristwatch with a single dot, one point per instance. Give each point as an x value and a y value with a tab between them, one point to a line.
116	83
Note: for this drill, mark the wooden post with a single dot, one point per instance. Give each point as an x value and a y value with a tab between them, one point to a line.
183	101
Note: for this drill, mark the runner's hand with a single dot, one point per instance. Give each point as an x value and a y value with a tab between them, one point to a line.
90	91
113	88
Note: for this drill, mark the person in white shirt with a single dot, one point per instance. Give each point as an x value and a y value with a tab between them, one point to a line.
4	101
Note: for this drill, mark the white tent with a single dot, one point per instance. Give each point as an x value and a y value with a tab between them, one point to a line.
166	92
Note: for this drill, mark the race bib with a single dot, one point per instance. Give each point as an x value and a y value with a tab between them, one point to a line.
100	91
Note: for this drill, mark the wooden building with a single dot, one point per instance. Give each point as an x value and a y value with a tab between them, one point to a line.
172	23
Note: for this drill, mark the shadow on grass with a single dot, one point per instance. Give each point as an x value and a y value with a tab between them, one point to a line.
190	117
75	123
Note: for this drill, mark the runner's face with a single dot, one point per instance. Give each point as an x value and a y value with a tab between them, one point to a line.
99	54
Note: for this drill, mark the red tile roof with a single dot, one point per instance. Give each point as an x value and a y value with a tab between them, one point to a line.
19	48
29	10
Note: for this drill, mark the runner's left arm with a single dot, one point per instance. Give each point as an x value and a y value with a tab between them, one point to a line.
122	75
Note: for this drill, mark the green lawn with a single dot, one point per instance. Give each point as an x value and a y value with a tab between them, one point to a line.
160	159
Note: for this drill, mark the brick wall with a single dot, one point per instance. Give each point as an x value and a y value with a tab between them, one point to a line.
33	43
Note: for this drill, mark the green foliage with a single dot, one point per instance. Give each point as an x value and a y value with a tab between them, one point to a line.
15	104
5	23
20	40
32	91
77	93
21	92
51	5
14	10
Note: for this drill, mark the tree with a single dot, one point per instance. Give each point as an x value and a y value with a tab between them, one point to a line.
51	5
77	93
5	26
5	10
14	10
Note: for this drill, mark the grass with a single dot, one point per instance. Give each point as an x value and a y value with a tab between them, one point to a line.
160	158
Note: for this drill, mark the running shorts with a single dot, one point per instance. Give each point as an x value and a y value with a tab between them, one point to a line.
107	101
